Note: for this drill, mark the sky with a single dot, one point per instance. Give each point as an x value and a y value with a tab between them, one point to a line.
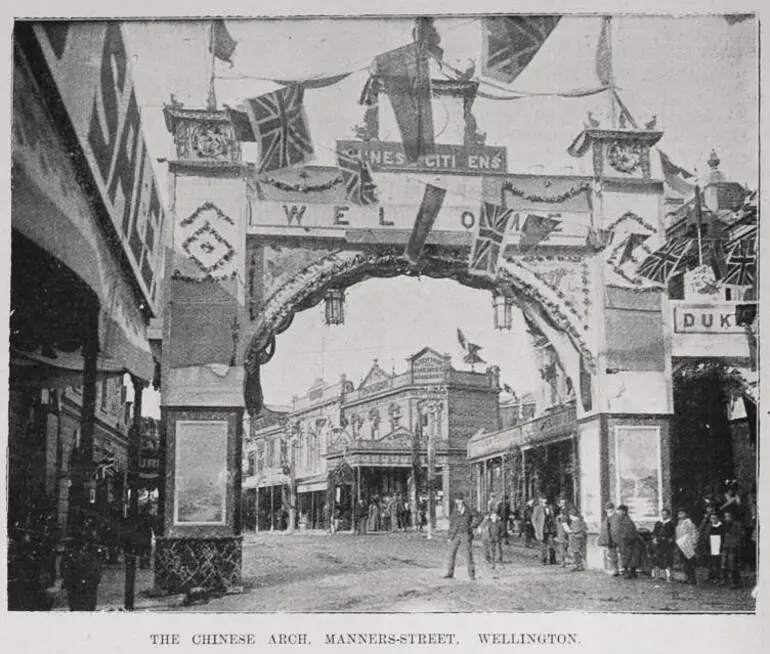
696	75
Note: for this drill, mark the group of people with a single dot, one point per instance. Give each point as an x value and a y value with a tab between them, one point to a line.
718	543
560	529
389	513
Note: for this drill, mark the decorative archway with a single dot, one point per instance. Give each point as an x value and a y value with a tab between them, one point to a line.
344	268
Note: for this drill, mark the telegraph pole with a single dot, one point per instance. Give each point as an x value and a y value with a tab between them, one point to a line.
432	424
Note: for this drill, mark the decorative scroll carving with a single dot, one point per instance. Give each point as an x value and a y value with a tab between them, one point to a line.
210	563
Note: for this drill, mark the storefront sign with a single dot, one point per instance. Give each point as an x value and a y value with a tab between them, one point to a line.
718	318
90	67
469	160
550	426
429	367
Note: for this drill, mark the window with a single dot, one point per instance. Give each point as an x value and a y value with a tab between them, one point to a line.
252	464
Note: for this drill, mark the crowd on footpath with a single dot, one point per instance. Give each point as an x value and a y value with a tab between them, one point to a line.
41	564
723	542
389	513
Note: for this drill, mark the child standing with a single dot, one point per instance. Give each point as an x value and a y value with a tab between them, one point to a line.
562	537
687	540
732	544
491	533
663	536
715	531
576	531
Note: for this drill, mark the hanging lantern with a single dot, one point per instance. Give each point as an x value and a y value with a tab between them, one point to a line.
335	306
503	306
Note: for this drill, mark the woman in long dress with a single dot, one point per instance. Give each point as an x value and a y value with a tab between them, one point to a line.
374	515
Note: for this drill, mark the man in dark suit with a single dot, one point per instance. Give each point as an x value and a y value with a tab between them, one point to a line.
544	524
462	522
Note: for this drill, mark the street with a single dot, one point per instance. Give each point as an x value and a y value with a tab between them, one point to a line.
316	572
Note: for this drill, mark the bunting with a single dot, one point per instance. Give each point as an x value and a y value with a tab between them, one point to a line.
604	54
598	239
633	241
511	42
675	176
488	244
221	44
536	229
357	177
277	120
664	263
432	199
405	78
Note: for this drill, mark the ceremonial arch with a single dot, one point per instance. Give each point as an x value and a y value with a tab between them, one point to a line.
248	252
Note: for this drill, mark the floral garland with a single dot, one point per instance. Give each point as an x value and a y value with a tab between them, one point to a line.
553	309
302	187
178	274
551	199
206	206
560	294
630	215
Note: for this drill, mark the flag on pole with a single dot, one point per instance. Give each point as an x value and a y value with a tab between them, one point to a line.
511	42
405	77
742	263
664	263
604	54
675	176
489	241
471	349
536	229
221	44
277	121
431	203
633	241
357	176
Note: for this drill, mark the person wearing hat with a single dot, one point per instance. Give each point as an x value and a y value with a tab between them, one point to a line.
605	541
544	523
623	532
462	522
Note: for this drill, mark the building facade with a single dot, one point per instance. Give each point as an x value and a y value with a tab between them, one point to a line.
87	229
339	442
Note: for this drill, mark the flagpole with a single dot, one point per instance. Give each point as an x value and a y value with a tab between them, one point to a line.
211	101
699	216
613	100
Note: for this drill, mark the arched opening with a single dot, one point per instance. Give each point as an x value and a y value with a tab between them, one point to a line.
385	453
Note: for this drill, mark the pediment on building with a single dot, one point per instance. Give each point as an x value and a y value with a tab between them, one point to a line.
376	375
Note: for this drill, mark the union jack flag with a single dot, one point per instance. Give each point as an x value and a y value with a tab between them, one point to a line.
510	43
279	123
357	176
488	244
742	262
662	264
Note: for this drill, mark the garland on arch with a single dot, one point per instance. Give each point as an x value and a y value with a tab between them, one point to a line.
550	199
178	274
206	206
302	187
630	215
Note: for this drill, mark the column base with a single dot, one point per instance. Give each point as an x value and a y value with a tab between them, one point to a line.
213	564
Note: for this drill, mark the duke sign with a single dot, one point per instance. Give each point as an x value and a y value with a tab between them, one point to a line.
717	318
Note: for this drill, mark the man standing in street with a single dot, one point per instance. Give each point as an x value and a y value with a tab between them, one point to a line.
544	523
462	522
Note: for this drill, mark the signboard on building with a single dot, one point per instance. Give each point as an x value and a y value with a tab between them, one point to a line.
716	318
551	426
429	366
388	156
89	65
